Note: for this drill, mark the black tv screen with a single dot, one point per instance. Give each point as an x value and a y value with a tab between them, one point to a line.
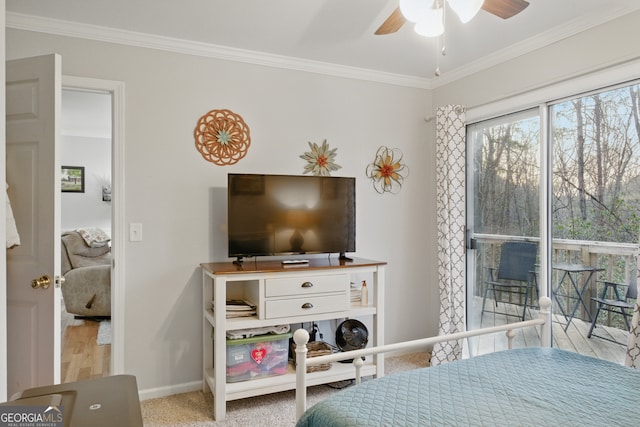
290	214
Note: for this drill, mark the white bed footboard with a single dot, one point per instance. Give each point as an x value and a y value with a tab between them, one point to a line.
301	338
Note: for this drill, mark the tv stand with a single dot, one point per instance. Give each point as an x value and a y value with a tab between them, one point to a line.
344	257
313	292
238	261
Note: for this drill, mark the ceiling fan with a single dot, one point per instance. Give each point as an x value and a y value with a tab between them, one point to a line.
502	8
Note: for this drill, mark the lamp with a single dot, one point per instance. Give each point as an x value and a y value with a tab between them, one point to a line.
300	220
466	9
413	10
429	16
431	24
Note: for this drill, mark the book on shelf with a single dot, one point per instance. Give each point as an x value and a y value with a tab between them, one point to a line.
237	308
355	292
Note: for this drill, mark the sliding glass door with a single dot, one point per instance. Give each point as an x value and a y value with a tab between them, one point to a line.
503	195
567	173
596	213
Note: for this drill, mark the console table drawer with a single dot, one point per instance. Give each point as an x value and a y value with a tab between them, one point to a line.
285	286
303	306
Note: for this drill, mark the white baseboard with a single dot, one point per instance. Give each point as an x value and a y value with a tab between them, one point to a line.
154	393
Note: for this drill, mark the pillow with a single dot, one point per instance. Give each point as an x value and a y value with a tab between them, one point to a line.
94	237
75	245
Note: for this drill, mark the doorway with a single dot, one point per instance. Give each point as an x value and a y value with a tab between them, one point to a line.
86	148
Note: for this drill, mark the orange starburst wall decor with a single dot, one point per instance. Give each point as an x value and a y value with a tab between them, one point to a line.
222	137
387	170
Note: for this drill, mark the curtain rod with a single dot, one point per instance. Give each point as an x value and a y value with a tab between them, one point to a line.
459	109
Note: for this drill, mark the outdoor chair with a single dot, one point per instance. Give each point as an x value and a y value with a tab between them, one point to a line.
618	305
515	274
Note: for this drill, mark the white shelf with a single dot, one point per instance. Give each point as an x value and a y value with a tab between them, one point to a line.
260	386
305	294
253	322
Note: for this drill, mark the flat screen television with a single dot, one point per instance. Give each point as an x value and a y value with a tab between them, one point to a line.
290	214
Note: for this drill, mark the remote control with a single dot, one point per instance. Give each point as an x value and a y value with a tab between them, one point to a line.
295	261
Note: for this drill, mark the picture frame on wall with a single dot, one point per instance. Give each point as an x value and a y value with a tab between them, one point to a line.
72	179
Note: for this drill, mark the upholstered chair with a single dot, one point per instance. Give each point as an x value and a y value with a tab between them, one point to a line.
87	276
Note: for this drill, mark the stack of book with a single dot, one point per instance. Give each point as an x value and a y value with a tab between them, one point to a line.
356	293
238	308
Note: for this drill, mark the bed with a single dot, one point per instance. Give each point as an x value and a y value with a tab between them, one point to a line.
536	386
520	387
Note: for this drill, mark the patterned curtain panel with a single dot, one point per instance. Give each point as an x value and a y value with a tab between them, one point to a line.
450	205
633	343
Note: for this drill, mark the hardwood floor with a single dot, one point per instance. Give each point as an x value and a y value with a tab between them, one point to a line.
82	357
606	343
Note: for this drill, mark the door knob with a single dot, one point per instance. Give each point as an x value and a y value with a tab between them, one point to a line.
42	282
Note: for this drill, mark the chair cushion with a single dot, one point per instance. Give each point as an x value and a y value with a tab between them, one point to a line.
81	255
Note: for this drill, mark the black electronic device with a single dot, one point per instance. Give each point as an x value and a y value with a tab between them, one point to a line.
272	215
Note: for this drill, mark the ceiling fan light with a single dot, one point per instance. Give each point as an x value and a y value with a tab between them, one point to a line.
431	24
414	10
466	9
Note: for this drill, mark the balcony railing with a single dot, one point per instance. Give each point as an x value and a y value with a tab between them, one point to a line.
619	261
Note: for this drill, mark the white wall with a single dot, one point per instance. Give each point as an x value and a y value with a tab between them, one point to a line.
180	198
87	209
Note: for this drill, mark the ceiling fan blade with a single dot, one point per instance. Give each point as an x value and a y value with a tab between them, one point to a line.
505	8
392	23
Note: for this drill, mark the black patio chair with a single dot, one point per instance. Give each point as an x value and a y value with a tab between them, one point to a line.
515	274
618	305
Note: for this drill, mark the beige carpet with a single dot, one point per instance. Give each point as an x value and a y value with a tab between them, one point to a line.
273	410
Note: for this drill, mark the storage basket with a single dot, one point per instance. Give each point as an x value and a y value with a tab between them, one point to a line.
314	349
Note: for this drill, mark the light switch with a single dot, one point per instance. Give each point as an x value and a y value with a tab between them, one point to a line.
135	232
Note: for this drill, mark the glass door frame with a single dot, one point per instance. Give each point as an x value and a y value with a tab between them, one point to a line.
543	97
545	196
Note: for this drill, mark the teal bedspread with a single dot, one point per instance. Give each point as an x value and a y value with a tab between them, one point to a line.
521	387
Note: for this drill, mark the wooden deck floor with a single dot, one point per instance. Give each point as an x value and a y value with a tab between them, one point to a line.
575	339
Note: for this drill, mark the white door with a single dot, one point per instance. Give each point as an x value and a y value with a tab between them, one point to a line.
33	91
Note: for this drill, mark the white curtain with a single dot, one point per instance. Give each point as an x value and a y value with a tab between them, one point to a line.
450	206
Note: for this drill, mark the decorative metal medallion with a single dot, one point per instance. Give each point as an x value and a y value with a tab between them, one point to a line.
320	160
387	170
222	137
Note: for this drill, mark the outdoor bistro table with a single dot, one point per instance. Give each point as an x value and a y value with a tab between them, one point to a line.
570	272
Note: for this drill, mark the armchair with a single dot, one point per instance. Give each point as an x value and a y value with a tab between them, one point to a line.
87	276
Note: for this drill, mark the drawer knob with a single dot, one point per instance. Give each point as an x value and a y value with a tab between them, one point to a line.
307	305
307	285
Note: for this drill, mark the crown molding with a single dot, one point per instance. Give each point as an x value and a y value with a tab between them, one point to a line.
26	22
569	29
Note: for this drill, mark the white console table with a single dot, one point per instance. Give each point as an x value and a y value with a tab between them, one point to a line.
284	294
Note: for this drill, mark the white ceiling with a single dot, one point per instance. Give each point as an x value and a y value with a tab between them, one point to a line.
322	32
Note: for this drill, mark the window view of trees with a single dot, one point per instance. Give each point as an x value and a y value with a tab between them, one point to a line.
596	170
507	174
596	179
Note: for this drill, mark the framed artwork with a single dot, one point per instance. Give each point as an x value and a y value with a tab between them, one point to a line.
72	180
